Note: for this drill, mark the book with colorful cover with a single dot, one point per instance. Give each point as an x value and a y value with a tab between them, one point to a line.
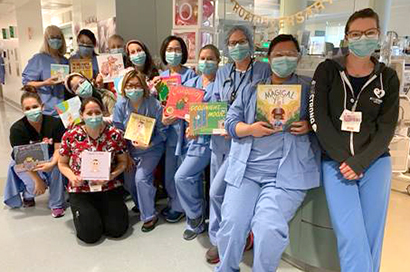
110	66
140	129
27	157
179	99
82	66
278	105
207	118
69	111
95	165
166	83
60	71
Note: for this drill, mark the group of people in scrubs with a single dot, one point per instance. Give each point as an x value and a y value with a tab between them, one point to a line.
258	177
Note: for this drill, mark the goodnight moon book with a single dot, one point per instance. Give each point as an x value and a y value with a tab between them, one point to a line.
278	105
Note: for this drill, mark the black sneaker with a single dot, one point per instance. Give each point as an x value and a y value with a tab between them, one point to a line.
174	217
27	203
189	235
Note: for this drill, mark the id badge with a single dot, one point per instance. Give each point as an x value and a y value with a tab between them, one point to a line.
95	187
351	121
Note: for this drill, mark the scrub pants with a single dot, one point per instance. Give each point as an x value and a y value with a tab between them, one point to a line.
219	165
358	212
144	181
172	162
189	185
53	179
264	209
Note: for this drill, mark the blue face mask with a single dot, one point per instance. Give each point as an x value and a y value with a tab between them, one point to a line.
363	47
55	43
85	89
94	121
207	67
138	59
239	52
284	66
117	51
85	51
33	115
134	94
173	58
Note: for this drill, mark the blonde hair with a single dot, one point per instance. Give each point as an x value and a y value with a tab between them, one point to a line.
135	74
46	47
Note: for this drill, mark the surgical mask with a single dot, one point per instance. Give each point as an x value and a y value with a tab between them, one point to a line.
134	94
364	46
207	67
139	58
117	51
85	89
173	58
85	51
239	52
284	66
94	121
33	115
55	43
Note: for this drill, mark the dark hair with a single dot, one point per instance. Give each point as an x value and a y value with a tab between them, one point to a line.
214	49
283	38
165	44
149	66
362	14
141	78
89	34
89	100
30	92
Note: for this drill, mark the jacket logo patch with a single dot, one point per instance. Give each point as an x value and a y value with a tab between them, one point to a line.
379	93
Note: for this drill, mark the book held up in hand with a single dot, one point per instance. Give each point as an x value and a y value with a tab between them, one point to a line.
82	66
110	66
179	99
278	105
27	157
207	118
60	71
140	129
69	111
165	85
95	165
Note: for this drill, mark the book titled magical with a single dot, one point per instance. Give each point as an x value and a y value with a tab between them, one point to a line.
140	129
28	157
278	105
207	118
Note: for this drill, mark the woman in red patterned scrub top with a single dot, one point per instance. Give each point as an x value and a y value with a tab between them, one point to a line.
97	206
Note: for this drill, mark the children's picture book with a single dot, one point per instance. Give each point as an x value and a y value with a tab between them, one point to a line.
27	157
166	83
207	118
140	129
179	99
69	111
60	71
95	165
82	66
278	105
110	66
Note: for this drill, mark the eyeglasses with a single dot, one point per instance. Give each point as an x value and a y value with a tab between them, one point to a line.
86	45
174	49
240	42
371	33
290	53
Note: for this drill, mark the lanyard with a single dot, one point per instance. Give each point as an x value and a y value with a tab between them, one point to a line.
234	88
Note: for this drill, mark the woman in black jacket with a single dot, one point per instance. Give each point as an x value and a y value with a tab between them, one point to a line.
353	110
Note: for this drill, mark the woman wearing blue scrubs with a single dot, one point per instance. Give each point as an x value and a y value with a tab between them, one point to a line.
230	80
174	54
136	99
354	107
38	70
268	173
189	178
86	43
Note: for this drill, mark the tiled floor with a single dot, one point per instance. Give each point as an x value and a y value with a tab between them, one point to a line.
31	240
